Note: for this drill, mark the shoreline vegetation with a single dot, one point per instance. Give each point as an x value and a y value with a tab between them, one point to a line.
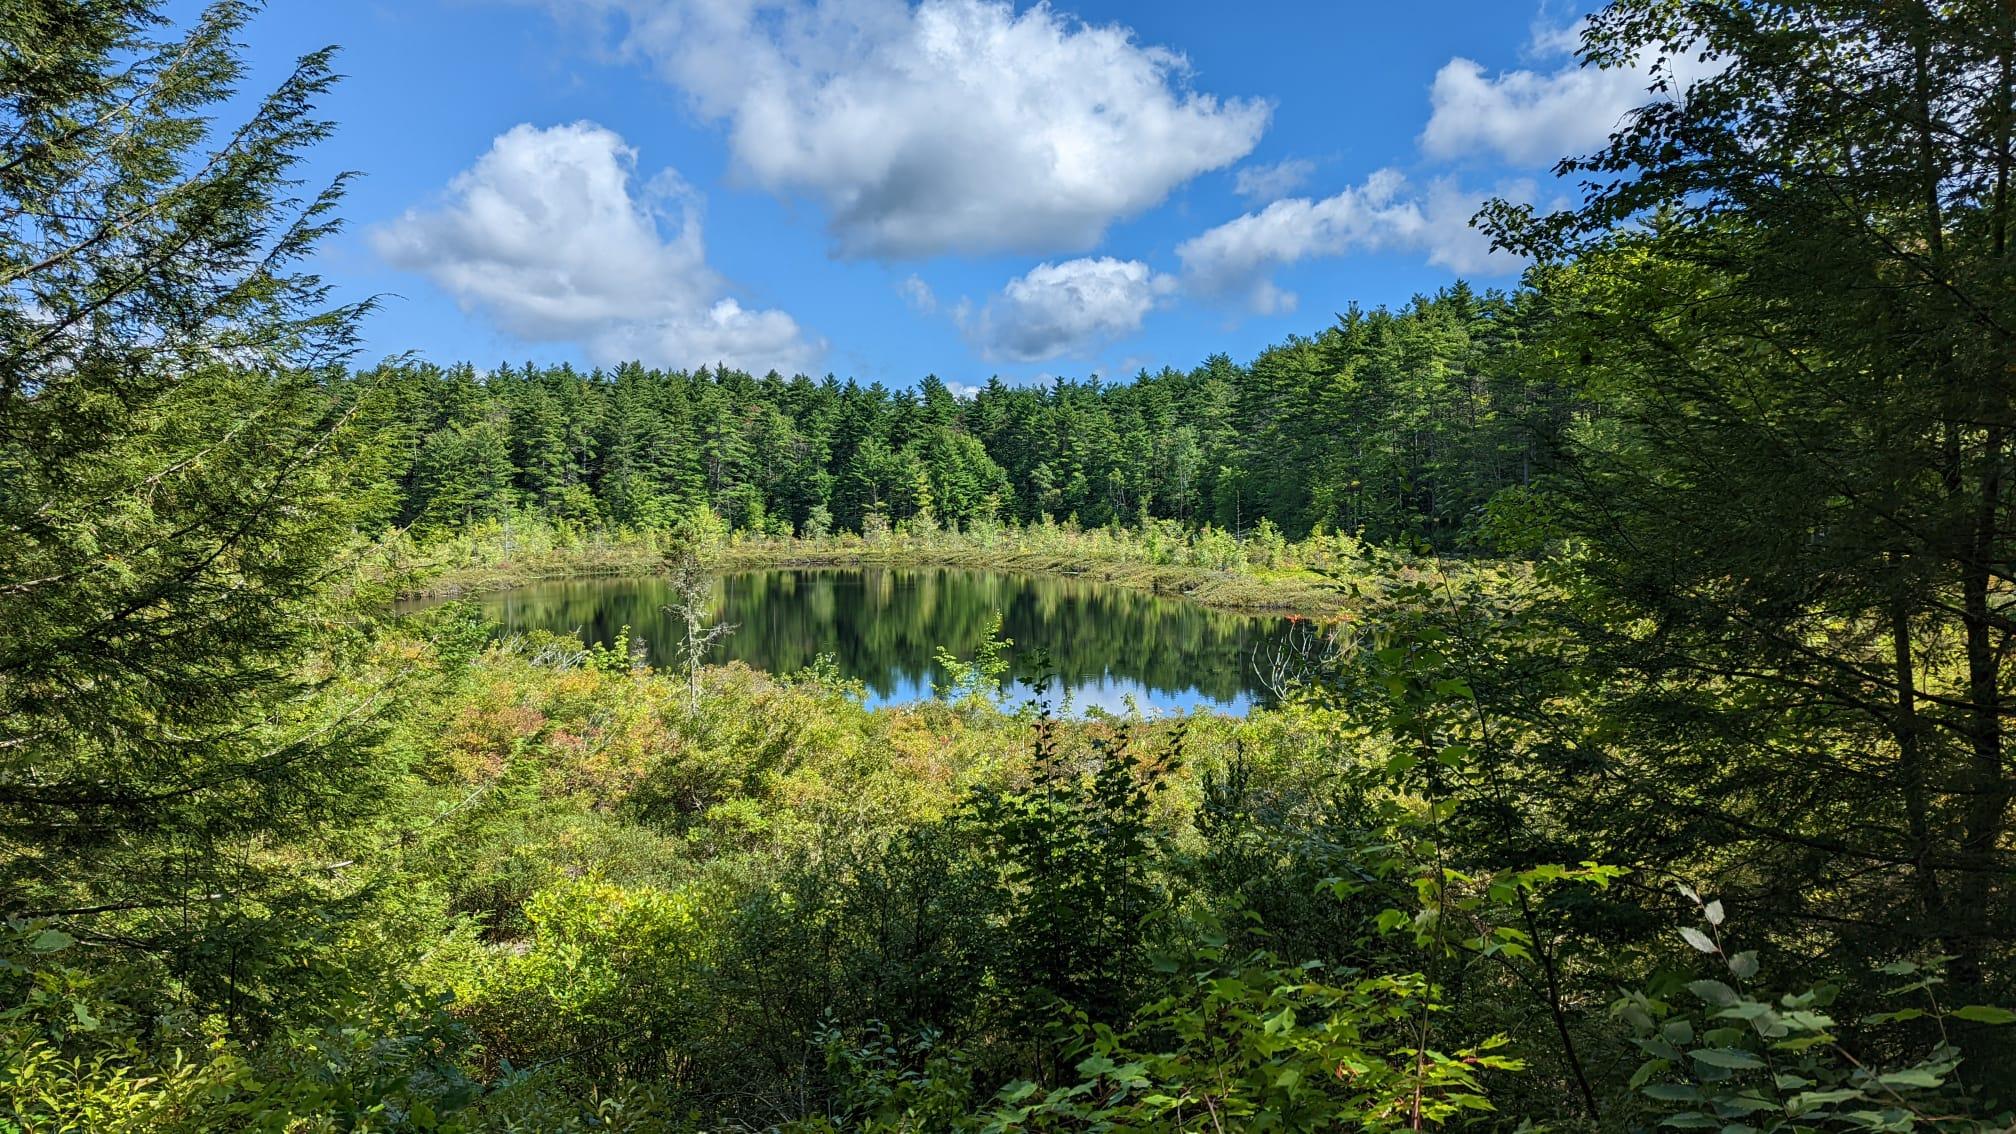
1258	573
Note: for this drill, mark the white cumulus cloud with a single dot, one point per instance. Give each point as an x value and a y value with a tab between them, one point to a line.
549	236
950	126
1385	213
1448	238
1273	182
1236	257
919	295
1066	308
1536	118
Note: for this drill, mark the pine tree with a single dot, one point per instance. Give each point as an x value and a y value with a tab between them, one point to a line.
463	476
180	465
1791	296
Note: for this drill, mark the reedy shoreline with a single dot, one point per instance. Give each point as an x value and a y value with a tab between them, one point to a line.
1310	578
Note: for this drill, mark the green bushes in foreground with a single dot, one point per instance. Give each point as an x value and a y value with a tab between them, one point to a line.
600	908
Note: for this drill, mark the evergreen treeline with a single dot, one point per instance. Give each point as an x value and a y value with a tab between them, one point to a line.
1396	425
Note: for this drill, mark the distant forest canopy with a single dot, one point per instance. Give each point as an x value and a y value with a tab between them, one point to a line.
1396	425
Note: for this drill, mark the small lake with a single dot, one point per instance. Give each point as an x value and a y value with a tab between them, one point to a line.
1106	645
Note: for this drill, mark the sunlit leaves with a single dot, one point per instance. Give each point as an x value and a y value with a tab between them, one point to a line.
1785	1068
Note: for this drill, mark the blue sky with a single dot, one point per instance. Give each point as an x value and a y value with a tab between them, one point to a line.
881	189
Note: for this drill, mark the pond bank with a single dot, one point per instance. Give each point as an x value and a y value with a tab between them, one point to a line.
1290	591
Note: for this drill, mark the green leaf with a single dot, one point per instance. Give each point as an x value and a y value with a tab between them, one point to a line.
1673	1092
1745	1010
1807	1100
1791	1082
1646	1070
1661	1049
1095	1065
1699	940
1731	1058
1808	1021
1744	965
1898	1016
50	940
1714	992
1985	1014
1912	1077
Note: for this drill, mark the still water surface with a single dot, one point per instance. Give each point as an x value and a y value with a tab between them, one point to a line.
882	625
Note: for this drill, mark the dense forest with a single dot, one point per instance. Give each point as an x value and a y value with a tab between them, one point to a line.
1646	767
1397	426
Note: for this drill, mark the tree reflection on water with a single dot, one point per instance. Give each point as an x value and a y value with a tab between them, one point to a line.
882	625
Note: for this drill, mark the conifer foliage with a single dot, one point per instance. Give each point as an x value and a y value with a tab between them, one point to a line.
179	468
